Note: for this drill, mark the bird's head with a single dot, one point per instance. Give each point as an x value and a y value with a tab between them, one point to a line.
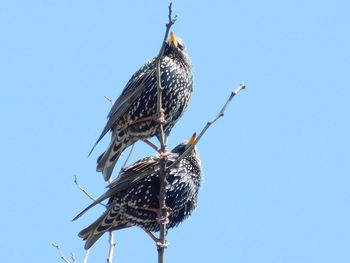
175	47
183	146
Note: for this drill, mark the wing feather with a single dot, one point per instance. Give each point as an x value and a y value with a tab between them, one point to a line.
128	177
138	82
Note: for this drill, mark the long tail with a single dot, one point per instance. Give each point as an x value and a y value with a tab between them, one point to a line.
108	221
107	160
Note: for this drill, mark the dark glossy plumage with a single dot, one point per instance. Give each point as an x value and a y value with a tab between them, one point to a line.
139	100
138	186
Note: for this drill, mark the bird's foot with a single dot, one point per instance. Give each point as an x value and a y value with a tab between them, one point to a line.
159	244
161	119
164	218
152	145
162	245
164	154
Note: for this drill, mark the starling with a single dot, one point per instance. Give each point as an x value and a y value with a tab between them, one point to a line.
133	196
132	116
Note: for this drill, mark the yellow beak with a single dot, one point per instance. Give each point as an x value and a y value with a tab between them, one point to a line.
192	139
173	39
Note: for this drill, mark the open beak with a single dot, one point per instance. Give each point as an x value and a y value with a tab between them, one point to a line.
173	39
192	139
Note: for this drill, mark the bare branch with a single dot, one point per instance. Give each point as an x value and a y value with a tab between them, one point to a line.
61	253
109	99
209	123
86	256
111	235
159	83
129	155
111	247
72	256
84	191
160	114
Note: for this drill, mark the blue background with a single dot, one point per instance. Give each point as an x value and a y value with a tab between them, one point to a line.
276	166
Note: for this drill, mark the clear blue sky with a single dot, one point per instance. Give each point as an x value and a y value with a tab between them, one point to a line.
276	167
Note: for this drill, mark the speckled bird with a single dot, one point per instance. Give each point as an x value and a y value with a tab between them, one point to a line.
133	196
132	116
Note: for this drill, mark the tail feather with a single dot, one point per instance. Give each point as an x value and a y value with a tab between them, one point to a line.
108	221
89	234
107	160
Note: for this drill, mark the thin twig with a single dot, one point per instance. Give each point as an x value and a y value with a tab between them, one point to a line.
162	140
111	235
111	247
129	155
109	99
111	239
209	123
61	253
84	191
72	256
86	256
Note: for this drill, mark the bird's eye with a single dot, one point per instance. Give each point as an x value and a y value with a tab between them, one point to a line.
180	46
